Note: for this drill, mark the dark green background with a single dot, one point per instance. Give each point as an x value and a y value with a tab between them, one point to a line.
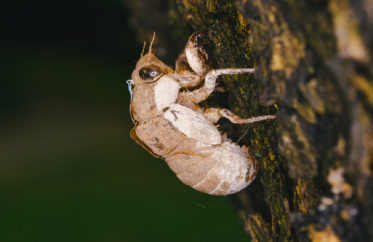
68	168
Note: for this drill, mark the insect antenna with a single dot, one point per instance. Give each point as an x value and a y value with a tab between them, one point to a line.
143	48
150	47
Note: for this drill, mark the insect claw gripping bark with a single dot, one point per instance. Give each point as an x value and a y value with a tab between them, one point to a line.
170	124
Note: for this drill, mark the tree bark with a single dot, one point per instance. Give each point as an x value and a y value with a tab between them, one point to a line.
313	63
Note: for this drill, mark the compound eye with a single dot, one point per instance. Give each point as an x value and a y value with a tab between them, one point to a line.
150	73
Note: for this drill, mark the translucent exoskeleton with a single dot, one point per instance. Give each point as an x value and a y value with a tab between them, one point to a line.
170	124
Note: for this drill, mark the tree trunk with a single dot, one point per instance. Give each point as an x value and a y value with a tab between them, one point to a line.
313	63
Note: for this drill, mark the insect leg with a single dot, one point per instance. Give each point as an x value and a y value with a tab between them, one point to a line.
214	114
188	80
210	78
238	120
202	93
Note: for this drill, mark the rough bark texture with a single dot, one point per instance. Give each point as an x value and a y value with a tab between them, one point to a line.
314	67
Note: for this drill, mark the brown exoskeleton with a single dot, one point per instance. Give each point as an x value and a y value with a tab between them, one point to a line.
170	124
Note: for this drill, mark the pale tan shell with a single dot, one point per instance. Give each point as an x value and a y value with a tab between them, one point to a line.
215	169
169	123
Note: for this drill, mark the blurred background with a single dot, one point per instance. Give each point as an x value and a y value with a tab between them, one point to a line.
68	169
